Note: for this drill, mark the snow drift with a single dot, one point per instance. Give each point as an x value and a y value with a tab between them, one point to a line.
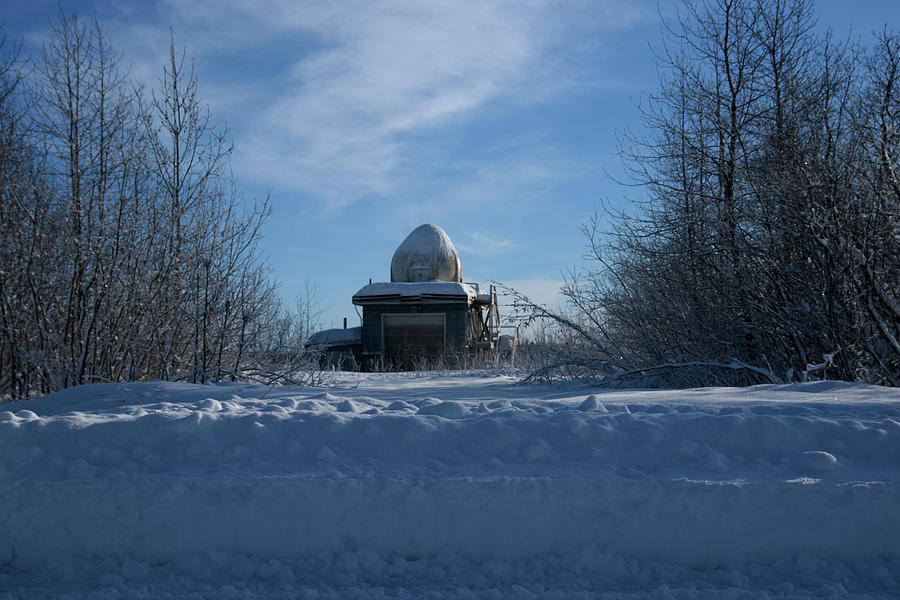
458	484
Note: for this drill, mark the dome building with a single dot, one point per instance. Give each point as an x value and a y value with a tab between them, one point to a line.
426	310
427	254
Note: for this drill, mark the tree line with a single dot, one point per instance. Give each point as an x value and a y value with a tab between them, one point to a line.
127	250
766	244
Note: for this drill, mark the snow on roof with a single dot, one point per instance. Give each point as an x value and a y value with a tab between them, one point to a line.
415	292
427	253
335	337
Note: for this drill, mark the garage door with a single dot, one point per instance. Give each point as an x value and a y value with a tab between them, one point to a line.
410	339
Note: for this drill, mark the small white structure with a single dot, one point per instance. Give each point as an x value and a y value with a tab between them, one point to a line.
427	254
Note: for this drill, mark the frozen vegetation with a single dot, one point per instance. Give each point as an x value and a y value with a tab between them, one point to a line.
454	485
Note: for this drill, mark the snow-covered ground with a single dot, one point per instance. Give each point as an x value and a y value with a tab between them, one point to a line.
462	485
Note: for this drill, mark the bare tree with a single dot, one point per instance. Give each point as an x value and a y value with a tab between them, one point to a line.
222	290
872	242
127	250
767	239
22	247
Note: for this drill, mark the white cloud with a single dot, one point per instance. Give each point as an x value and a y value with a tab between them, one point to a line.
359	96
486	244
390	72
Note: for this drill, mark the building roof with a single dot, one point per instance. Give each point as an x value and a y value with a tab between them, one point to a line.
424	291
335	337
426	254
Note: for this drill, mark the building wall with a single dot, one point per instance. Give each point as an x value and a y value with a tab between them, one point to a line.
457	325
345	358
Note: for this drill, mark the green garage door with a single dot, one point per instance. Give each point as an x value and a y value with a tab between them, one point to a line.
412	338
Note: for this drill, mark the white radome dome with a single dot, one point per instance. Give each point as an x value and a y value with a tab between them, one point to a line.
427	254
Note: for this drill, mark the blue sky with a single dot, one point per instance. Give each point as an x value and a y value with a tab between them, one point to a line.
496	120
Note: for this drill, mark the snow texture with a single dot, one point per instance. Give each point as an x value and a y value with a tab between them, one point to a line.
413	292
426	254
460	485
336	337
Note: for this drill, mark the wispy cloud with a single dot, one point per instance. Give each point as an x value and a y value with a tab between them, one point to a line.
351	99
486	244
339	101
387	74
